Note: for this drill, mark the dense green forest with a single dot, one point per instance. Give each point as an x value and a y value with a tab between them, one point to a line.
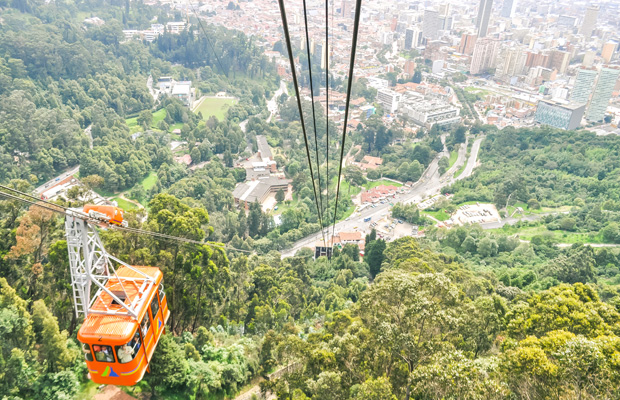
464	313
544	170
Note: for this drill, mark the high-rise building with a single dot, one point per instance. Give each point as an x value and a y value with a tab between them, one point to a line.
589	21
510	62
536	59
558	60
319	56
608	51
345	9
602	93
447	22
468	41
567	21
588	58
563	116
485	55
583	86
508	9
412	38
484	14
431	24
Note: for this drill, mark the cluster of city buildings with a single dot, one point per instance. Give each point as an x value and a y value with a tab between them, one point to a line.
149	34
155	31
526	54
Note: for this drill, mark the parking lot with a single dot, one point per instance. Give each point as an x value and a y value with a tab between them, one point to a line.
475	214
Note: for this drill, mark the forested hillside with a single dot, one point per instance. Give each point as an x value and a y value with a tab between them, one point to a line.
464	313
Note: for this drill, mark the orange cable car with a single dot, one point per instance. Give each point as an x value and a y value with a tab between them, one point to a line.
118	348
125	309
111	214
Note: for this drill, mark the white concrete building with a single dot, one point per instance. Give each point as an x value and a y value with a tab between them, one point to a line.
388	99
428	112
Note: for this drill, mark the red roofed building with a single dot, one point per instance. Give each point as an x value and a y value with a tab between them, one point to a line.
378	193
353	123
339	239
185	159
358	102
369	162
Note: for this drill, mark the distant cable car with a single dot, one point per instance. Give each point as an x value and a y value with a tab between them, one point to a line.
126	316
110	214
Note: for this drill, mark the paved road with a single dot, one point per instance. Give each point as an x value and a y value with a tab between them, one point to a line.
429	184
272	105
471	163
462	154
513	220
60	177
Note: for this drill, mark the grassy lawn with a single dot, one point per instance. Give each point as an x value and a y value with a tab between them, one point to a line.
441	215
103	192
214	106
158	116
349	190
149	181
513	207
124	204
453	157
178	125
348	213
371	184
479	91
460	171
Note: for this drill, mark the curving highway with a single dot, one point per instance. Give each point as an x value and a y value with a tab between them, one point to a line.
429	184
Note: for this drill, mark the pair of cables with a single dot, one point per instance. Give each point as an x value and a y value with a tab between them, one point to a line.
319	198
47	205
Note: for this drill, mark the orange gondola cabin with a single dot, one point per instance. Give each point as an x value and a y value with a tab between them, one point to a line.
127	312
118	348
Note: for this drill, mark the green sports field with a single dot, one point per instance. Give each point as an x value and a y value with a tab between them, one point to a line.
215	106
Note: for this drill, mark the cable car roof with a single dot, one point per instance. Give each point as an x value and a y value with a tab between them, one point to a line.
102	324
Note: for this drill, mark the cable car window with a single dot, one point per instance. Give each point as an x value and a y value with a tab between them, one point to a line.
145	325
127	352
88	354
154	307
104	353
161	293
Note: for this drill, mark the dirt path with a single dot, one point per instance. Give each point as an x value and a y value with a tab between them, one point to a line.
111	392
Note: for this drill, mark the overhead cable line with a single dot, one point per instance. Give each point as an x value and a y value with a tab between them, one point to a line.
301	114
358	11
64	210
207	38
327	103
316	144
57	209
